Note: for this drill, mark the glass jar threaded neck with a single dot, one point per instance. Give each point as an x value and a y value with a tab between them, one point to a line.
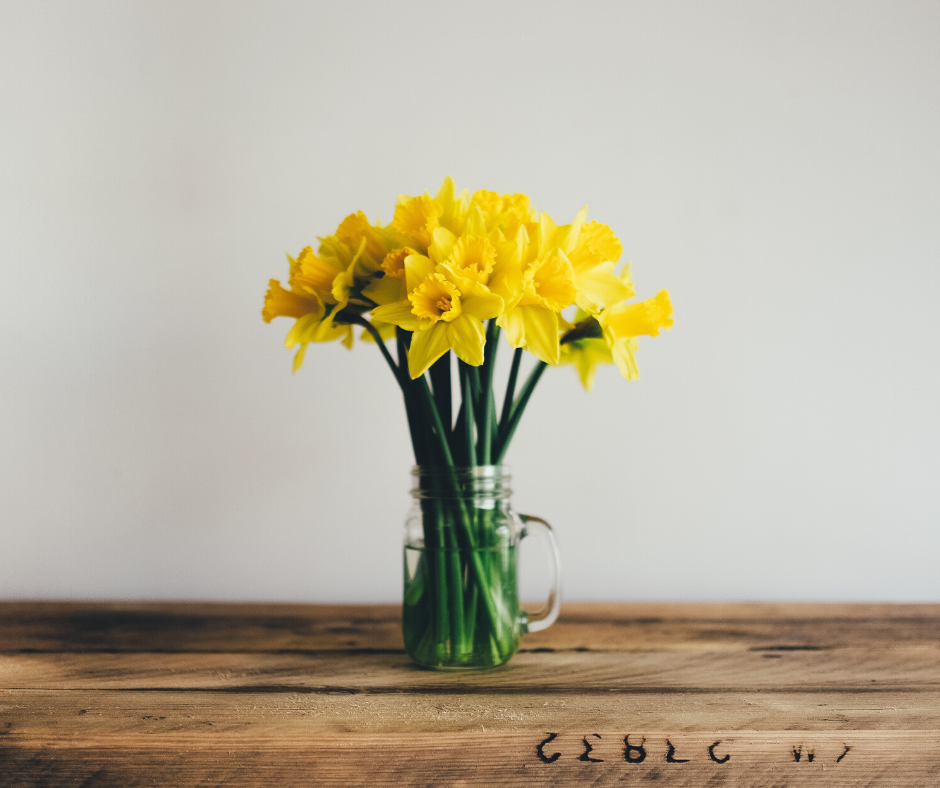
470	482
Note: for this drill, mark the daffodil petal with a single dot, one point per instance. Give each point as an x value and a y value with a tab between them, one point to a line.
647	317
547	230
624	353
482	304
541	332
299	357
279	302
476	221
509	251
441	245
599	288
384	290
398	314
454	206
327	331
604	241
445	195
417	269
427	347
512	324
467	337
341	286
626	276
569	240
585	355
302	331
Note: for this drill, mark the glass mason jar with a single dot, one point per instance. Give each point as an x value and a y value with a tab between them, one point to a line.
461	602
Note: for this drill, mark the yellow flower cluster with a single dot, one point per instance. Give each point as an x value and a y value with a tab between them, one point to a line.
448	263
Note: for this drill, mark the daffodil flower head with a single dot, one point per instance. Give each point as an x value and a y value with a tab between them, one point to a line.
632	320
454	207
585	355
549	281
473	257
279	302
394	262
355	232
448	263
507	212
435	299
314	275
416	217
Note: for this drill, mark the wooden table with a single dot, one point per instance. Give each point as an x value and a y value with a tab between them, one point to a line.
682	695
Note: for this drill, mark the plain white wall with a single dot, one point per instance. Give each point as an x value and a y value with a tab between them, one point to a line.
775	165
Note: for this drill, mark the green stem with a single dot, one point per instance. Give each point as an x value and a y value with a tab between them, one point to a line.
462	437
474	373
442	622
440	378
476	391
418	439
431	409
519	408
471	614
510	391
471	398
489	363
455	597
467	417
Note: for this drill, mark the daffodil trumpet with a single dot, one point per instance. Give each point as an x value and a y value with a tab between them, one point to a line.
451	276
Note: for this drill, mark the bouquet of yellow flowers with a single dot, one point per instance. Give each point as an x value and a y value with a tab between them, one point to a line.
450	273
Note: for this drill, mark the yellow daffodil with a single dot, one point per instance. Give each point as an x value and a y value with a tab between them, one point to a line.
303	302
416	218
506	213
326	283
454	207
370	243
547	287
593	259
308	311
441	316
623	323
473	257
279	302
447	263
585	355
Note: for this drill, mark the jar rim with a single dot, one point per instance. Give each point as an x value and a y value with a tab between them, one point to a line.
472	471
467	481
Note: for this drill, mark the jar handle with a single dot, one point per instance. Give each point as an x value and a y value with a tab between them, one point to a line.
534	622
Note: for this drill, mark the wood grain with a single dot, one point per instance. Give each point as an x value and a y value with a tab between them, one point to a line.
445	759
35	714
198	694
186	627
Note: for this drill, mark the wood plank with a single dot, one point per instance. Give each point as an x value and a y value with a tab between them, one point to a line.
857	670
740	758
196	626
193	627
30	716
